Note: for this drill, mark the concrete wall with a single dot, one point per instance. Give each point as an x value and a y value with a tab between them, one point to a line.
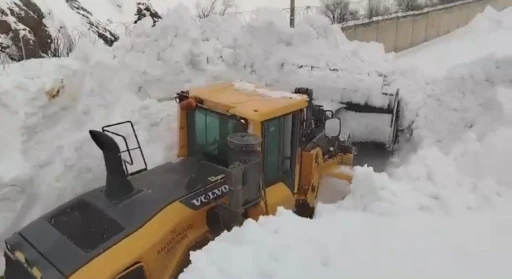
398	33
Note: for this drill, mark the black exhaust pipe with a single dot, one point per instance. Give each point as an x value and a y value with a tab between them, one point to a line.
117	185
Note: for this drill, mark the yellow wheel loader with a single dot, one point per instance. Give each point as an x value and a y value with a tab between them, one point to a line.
244	151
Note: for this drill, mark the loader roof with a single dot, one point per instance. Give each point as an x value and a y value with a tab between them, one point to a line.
249	100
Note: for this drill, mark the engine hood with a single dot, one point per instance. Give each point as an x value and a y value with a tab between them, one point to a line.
78	231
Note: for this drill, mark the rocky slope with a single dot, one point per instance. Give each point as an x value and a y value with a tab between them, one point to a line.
95	26
28	28
23	32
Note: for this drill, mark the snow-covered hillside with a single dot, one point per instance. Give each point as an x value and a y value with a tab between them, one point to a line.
441	209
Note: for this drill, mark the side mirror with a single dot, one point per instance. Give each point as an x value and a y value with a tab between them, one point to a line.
333	127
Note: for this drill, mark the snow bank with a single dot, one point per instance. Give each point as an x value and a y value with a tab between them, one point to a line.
251	87
357	245
441	210
457	160
436	57
53	158
263	51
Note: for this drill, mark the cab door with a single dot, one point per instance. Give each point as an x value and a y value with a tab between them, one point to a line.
280	142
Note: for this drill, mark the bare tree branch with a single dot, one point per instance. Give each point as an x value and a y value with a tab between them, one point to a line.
205	10
337	11
225	6
411	5
376	8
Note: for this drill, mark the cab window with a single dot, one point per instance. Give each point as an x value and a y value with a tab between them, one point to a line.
208	133
134	272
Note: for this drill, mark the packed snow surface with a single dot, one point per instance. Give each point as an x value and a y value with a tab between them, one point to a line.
251	87
441	210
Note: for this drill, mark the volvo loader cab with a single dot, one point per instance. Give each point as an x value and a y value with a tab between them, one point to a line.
244	151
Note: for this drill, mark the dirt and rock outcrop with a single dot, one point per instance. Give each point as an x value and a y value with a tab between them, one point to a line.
23	32
95	26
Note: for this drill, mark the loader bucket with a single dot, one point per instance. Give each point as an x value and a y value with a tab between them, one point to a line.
374	131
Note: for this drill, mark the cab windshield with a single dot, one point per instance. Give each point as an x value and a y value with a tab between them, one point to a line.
207	133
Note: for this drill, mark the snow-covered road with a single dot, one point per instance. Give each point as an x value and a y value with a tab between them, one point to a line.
442	209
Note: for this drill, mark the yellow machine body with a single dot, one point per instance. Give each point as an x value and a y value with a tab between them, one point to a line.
159	247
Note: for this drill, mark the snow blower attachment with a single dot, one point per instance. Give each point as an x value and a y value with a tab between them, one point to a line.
371	124
243	152
373	129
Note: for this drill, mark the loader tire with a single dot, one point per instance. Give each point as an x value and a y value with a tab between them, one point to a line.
303	209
